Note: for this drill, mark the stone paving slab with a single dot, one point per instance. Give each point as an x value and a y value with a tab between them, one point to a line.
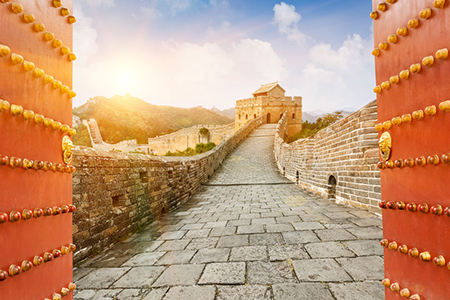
364	247
353	290
263	240
328	249
224	273
139	277
249	253
97	294
191	292
211	255
101	278
143	259
244	292
285	252
301	291
179	275
321	270
176	257
363	268
156	294
261	272
300	237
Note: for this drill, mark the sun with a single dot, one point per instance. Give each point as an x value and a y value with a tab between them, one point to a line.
126	80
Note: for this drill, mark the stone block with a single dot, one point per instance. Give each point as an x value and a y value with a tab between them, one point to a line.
224	273
320	270
364	268
101	278
327	250
179	275
211	255
191	292
242	292
372	290
269	273
296	291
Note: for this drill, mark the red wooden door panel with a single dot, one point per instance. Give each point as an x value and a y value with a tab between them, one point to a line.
38	31
418	95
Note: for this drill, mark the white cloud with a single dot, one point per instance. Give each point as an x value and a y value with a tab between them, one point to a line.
179	5
151	12
84	37
286	18
336	78
354	52
210	74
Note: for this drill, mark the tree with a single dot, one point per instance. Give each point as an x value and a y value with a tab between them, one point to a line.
309	129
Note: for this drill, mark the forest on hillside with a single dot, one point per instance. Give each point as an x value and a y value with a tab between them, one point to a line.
124	117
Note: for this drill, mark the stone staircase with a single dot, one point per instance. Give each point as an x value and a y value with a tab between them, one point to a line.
94	132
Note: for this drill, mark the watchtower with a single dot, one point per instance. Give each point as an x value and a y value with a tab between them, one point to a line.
270	100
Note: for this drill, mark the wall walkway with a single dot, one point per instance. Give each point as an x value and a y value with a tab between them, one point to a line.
116	193
249	234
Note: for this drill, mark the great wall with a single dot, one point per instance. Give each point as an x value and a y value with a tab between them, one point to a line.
118	193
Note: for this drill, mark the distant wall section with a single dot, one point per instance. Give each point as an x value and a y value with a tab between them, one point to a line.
338	162
117	193
188	138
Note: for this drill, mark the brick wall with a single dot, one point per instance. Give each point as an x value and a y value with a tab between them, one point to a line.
346	151
117	193
189	137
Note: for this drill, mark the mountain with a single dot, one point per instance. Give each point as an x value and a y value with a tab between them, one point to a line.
308	117
312	116
125	117
226	112
231	112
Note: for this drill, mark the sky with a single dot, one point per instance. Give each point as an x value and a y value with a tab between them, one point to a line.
189	53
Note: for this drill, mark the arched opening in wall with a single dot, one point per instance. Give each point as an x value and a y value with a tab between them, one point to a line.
246	117
239	117
332	187
268	118
284	170
297	177
293	116
254	116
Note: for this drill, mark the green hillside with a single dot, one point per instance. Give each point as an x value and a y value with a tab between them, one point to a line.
124	117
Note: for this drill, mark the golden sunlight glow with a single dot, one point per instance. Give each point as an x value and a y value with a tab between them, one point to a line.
126	80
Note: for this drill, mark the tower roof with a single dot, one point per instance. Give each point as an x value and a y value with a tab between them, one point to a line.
265	88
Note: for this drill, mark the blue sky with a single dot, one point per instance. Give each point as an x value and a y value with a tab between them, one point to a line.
213	52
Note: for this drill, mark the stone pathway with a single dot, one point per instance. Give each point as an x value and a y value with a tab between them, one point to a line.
248	234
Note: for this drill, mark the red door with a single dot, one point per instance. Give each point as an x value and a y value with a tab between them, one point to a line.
35	149
412	77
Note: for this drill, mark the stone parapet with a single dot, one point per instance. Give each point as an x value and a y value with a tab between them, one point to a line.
188	138
118	193
338	162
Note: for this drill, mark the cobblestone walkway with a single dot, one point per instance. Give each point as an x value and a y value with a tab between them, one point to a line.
248	234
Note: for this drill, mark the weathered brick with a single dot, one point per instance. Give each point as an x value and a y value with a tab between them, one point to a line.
115	192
